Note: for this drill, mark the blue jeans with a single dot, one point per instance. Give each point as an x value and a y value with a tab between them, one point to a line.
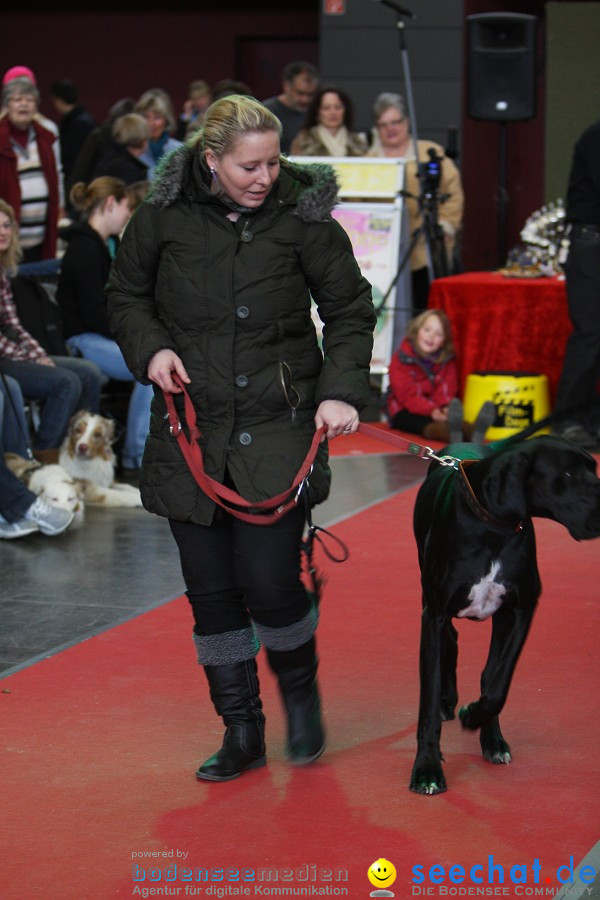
15	498
109	359
14	432
70	384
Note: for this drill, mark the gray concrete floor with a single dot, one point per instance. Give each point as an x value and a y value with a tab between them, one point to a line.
58	591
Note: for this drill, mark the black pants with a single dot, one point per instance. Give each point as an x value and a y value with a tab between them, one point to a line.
236	573
581	367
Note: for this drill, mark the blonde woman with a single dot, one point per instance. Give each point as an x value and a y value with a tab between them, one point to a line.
213	283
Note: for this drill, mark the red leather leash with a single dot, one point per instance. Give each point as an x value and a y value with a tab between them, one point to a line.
264	512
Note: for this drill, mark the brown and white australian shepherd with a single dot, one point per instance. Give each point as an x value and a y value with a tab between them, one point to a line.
86	453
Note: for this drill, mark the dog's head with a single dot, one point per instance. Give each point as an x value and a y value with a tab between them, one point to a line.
549	477
58	488
89	436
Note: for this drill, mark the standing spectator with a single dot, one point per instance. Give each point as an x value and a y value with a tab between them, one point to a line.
299	85
577	396
198	100
62	384
124	159
75	121
328	127
156	107
30	173
26	72
393	139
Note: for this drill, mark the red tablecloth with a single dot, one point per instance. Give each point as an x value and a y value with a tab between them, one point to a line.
505	324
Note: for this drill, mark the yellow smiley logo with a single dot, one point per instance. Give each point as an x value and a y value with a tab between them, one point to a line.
382	873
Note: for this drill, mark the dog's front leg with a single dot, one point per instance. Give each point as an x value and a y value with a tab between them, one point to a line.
427	775
510	628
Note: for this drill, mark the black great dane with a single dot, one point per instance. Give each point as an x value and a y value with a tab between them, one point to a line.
477	555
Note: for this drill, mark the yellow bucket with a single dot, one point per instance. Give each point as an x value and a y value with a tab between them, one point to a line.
520	398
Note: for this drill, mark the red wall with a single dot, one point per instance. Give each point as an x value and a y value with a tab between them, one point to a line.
117	54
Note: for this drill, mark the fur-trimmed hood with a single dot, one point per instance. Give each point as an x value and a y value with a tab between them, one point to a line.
311	188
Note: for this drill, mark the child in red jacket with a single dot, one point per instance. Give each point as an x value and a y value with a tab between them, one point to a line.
422	396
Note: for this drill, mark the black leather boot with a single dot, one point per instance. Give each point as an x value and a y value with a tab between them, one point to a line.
234	693
296	672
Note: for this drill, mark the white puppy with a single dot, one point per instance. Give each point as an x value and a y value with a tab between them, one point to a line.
50	482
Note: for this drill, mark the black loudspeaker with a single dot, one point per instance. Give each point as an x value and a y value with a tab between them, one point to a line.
501	66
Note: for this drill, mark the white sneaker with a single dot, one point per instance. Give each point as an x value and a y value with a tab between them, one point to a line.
49	519
11	530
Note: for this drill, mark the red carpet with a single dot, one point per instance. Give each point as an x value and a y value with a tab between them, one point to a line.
100	744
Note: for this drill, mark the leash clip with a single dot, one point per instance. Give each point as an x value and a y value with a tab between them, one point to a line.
450	461
175	429
302	483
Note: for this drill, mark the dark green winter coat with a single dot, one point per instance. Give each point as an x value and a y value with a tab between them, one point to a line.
233	300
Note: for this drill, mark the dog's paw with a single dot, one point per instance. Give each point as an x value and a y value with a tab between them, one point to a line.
428	779
468	717
447	712
495	750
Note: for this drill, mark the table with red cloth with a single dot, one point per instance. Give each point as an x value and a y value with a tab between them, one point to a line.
505	324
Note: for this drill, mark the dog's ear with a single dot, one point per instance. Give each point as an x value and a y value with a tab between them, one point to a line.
110	430
76	417
505	486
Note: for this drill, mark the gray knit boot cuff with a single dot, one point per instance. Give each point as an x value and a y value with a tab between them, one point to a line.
290	636
226	648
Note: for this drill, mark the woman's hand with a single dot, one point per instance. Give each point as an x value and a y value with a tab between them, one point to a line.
160	368
440	414
45	361
340	418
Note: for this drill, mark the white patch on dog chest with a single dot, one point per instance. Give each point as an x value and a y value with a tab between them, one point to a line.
485	596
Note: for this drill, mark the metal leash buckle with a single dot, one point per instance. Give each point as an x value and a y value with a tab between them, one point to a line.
175	433
302	483
443	460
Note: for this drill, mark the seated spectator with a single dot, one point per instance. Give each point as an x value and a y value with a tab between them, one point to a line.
328	127
14	434
75	121
156	107
21	512
195	105
422	395
393	139
299	82
130	136
97	144
104	206
30	173
62	384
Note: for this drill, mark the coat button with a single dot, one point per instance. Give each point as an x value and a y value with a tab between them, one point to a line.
245	438
246	236
242	381
242	312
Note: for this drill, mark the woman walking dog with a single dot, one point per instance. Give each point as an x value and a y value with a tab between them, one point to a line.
212	286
